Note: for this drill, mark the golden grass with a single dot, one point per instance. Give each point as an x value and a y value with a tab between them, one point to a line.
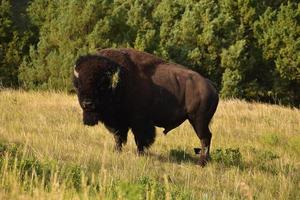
49	125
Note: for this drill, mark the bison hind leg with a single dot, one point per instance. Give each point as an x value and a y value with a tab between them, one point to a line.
144	136
201	128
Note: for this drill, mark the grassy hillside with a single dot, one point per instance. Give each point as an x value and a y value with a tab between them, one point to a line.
47	153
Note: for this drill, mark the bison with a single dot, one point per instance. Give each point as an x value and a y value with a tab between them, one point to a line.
126	88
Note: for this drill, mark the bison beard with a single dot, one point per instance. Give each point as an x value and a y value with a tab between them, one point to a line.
125	88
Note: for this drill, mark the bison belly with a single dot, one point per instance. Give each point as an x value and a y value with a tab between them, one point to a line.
167	111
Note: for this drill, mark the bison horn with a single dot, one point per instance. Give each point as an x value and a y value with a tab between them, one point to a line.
76	74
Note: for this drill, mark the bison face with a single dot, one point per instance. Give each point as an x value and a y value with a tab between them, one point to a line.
95	79
89	99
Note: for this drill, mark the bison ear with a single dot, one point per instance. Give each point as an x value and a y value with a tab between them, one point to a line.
115	79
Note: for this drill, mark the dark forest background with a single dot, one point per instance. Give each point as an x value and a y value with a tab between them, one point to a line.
249	48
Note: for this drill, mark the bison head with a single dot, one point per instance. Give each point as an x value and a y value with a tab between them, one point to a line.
95	80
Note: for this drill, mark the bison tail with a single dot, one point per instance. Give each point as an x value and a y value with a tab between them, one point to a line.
213	107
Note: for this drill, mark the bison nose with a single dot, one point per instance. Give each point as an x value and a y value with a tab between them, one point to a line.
88	104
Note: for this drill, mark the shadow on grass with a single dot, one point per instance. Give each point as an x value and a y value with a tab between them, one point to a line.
180	156
177	156
224	158
227	157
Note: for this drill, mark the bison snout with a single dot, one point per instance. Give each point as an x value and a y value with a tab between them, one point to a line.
90	123
90	118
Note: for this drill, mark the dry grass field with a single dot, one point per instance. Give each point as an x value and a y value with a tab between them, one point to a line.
47	153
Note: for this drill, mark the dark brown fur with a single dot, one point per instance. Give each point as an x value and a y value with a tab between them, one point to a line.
150	92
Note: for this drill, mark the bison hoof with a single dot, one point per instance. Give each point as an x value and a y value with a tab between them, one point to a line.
118	149
203	160
140	153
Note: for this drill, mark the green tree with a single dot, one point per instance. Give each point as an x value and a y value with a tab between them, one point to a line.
87	26
9	55
63	36
15	36
249	48
278	34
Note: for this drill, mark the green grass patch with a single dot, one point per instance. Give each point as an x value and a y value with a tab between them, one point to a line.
32	173
294	143
272	139
264	160
228	157
15	157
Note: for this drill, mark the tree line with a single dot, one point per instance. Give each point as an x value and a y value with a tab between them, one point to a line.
249	48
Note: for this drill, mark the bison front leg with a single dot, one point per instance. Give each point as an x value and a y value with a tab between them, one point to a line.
120	138
144	136
119	142
120	135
